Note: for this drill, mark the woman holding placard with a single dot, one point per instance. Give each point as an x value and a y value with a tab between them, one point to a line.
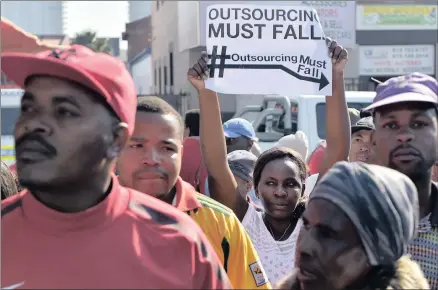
279	175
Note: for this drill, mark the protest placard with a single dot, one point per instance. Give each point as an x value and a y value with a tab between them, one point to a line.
259	49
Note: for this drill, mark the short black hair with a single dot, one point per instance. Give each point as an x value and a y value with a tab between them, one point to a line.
191	121
279	153
159	106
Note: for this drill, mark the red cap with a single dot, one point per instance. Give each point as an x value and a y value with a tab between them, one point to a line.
100	72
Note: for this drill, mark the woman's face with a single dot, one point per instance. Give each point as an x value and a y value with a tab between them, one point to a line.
329	251
280	188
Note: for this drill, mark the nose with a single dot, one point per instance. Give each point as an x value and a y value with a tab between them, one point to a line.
305	245
37	125
405	135
280	191
364	149
150	157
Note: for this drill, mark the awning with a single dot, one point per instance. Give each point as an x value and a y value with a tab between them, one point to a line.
15	39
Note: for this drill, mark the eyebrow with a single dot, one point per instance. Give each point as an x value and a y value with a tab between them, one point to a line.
142	140
416	113
27	96
321	224
66	99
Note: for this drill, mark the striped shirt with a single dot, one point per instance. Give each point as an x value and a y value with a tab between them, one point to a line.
424	247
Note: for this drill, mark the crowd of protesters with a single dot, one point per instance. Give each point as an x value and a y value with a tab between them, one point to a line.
123	192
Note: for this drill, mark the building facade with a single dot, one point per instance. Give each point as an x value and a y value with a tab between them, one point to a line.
395	39
139	9
36	17
380	42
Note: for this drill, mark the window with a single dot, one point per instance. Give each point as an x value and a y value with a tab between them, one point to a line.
155	76
159	81
320	116
9	118
171	68
165	79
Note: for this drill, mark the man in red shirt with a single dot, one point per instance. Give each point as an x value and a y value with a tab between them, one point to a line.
75	226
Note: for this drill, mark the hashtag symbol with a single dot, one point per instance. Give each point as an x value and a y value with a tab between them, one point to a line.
222	57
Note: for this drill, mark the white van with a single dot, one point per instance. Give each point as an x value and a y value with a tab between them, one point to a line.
307	113
10	110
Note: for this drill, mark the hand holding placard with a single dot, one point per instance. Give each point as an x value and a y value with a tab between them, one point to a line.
338	54
262	49
199	72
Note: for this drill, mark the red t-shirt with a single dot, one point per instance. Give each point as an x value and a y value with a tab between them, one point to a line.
193	169
130	240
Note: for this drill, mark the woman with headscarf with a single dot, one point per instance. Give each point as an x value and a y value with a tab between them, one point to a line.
356	229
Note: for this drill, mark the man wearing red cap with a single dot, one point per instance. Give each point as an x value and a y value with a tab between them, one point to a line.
75	226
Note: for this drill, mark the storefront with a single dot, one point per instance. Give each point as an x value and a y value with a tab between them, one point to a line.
395	40
385	61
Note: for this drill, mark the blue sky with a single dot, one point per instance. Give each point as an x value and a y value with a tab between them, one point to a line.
107	18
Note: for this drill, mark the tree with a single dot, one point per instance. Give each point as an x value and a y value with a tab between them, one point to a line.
88	38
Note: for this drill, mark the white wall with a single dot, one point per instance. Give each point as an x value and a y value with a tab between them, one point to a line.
143	76
188	24
37	17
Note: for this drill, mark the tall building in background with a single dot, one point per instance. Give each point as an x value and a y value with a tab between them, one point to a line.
139	9
37	17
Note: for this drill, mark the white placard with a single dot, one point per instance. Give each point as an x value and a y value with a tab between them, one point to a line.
396	60
259	49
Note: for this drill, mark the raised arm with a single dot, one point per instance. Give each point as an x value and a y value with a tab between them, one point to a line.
222	184
337	117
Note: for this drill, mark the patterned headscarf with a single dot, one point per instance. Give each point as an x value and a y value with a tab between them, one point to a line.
381	203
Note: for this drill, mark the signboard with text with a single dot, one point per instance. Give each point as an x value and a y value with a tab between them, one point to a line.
259	49
337	20
396	60
397	17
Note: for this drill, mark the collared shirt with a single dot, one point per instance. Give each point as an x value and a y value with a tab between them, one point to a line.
227	236
127	241
424	247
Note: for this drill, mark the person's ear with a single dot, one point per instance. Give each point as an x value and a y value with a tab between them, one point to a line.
373	138
250	143
256	193
248	187
119	140
303	191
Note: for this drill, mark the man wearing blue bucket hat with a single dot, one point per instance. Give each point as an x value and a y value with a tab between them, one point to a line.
239	134
405	116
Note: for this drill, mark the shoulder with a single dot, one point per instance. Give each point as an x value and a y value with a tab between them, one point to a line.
220	214
161	218
252	219
11	204
214	206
